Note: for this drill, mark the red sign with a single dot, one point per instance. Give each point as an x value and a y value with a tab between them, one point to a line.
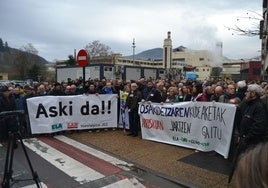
82	58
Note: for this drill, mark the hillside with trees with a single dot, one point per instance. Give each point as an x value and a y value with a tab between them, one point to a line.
23	63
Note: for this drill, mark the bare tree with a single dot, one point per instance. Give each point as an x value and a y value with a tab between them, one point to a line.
256	28
20	65
96	48
27	61
29	48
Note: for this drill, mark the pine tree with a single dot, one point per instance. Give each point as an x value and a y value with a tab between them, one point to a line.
1	45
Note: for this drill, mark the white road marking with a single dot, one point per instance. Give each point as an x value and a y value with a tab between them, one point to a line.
129	183
80	172
117	162
42	185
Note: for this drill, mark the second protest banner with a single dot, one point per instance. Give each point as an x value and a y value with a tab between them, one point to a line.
206	126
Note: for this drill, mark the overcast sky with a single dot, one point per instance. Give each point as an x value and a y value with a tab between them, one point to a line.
57	27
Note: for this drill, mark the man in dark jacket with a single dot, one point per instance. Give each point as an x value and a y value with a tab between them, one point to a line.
132	103
253	127
254	121
229	96
7	103
57	90
150	93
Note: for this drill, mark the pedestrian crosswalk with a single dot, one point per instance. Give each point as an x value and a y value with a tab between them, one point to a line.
125	183
68	165
129	183
113	160
84	164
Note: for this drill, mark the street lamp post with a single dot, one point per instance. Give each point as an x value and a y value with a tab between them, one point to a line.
133	46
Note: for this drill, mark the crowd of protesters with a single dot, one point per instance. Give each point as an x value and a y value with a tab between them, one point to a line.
250	97
153	90
159	91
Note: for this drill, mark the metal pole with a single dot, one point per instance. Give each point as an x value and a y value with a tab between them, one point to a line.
133	46
84	75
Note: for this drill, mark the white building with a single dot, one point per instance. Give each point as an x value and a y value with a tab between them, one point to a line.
182	59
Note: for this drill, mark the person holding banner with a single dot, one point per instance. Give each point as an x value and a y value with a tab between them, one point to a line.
152	94
218	91
198	93
185	93
132	103
91	90
74	90
172	95
57	90
160	86
229	95
41	90
109	89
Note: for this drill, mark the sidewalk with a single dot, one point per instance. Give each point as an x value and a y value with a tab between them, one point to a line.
185	166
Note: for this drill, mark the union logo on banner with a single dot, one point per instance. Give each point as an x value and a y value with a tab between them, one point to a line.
72	125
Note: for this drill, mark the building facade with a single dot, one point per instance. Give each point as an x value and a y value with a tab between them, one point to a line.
182	60
242	70
264	39
251	70
175	63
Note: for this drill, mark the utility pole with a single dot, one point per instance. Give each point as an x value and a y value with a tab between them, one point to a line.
133	46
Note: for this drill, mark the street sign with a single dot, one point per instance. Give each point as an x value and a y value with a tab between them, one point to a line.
82	58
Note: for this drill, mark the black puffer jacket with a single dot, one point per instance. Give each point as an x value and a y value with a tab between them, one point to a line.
254	122
133	100
7	123
7	104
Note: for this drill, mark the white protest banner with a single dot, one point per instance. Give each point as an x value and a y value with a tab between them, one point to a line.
49	114
206	126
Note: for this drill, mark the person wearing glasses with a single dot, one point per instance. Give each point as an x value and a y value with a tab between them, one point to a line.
229	96
253	128
254	120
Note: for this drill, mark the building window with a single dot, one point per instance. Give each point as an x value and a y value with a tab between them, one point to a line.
201	59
